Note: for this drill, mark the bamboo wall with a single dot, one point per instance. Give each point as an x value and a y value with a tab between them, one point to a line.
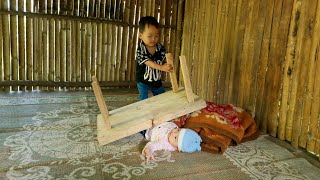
62	43
262	56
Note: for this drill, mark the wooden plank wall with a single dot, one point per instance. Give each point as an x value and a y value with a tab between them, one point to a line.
53	44
262	56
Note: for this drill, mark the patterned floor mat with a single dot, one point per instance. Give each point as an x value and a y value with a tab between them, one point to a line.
54	137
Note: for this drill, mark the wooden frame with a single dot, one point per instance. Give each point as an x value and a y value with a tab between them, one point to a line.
133	118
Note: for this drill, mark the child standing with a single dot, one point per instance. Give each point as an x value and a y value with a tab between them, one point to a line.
150	58
167	136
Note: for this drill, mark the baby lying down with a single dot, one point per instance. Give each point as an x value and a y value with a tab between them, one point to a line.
168	136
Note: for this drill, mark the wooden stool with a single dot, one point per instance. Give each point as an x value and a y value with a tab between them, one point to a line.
133	118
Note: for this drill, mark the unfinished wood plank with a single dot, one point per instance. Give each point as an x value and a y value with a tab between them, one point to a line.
186	79
173	76
144	114
101	103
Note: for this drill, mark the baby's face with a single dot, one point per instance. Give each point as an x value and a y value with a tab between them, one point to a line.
150	35
174	136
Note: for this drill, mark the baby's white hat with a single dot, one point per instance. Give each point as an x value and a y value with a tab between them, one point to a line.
189	141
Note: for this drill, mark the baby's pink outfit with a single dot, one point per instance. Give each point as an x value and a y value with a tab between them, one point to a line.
158	137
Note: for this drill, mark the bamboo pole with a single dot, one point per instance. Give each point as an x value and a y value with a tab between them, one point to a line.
135	37
226	52
55	72
105	51
35	50
108	57
261	78
63	52
257	62
177	45
230	50
273	71
213	79
13	40
112	61
89	46
99	51
102	10
73	50
186	43
294	102
162	20
45	51
68	68
1	50
21	27
200	42
118	45
173	31
118	53
315	105
130	60
315	132
84	52
51	50
279	50
223	60
93	51
78	52
288	65
195	45
254	46
234	45
40	52
29	41
299	120
315	39
167	22
156	8
205	16
124	55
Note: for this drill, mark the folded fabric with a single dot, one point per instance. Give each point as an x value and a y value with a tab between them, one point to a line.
220	126
210	137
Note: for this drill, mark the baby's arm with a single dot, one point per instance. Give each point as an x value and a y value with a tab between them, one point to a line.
150	148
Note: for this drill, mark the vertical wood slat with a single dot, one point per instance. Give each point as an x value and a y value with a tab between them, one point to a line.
295	79
124	55
314	137
29	45
288	65
307	29
130	58
14	46
21	28
6	45
261	98
313	33
1	50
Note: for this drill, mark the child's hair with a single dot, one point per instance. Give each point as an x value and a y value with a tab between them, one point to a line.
147	20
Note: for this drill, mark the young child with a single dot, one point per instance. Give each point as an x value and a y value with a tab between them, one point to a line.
167	136
150	58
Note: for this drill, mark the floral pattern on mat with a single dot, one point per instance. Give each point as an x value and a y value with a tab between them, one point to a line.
66	137
261	164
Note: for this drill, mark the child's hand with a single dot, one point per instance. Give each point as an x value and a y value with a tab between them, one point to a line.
166	67
147	154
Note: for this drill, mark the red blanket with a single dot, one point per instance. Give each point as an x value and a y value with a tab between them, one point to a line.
220	125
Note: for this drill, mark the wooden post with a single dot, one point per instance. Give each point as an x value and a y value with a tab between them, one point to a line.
173	76
186	79
101	103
